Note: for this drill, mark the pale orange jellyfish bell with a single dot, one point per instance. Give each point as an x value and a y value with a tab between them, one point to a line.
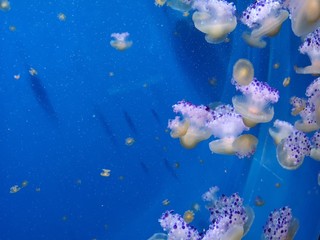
120	41
305	16
243	72
215	18
245	145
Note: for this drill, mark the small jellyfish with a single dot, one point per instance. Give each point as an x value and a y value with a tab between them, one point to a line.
188	216
159	3
130	141
120	41
298	104
193	128
258	201
62	17
280	225
165	202
286	81
24	183
15	189
5	5
180	5
105	173
255	104
315	146
304	15
264	18
292	150
280	130
215	18
243	72
311	47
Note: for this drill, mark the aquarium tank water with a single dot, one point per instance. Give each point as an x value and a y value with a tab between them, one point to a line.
160	120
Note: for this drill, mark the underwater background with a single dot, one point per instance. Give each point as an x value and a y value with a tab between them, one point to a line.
90	107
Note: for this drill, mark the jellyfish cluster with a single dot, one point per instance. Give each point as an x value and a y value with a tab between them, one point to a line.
229	220
198	123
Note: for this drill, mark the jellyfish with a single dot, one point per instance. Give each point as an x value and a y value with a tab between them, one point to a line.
120	41
176	227
227	125
230	220
304	15
5	5
298	104
192	128
315	146
311	46
158	236
255	104
280	225
307	123
264	18
215	18
292	150
280	130
243	72
180	5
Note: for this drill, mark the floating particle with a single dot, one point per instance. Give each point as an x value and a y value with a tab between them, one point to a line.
286	81
212	81
188	216
12	28
145	85
121	178
38	189
176	165
165	202
259	202
64	218
196	207
201	161
24	183
33	72
130	141
276	65
62	17
185	14
78	181
15	189
111	74
16	77
5	5
159	3
105	173
277	185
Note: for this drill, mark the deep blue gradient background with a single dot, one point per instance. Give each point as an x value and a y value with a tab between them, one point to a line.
60	134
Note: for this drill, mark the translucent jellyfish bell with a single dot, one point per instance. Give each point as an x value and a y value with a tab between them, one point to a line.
215	18
120	41
243	72
180	5
305	16
280	130
264	18
292	150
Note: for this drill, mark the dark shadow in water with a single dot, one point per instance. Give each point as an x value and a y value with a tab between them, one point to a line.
202	62
130	122
156	116
41	95
170	168
144	167
106	127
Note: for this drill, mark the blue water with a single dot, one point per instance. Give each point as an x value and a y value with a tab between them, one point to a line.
61	127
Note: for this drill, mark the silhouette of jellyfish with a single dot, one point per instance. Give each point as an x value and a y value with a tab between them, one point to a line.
292	150
311	46
120	41
192	128
264	18
280	225
243	72
215	18
230	219
304	15
315	146
227	125
254	105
